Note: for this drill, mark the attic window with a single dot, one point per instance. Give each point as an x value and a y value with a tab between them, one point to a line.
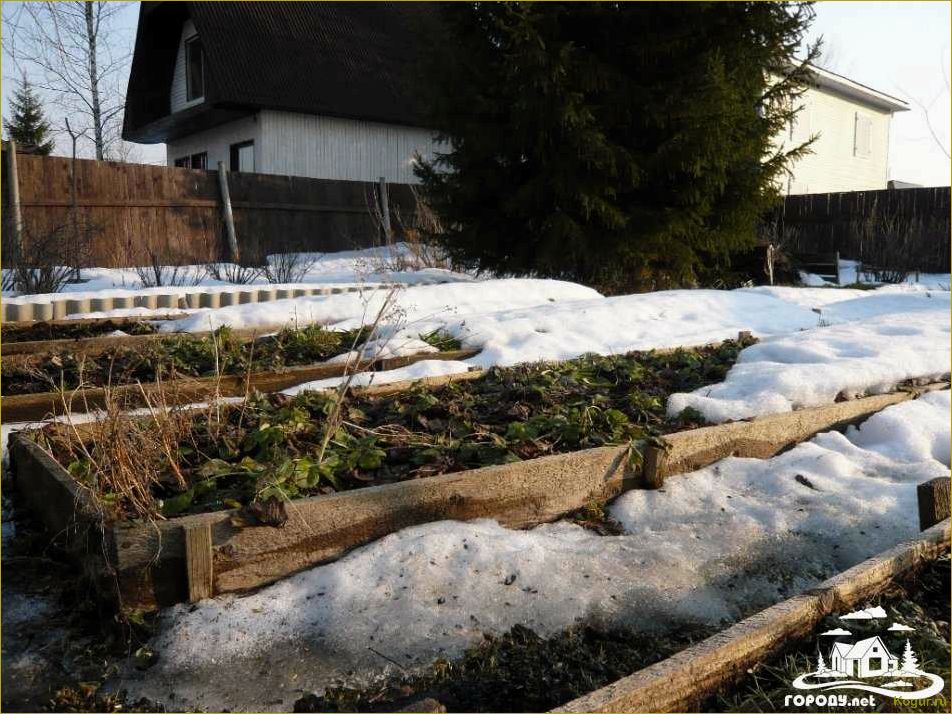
863	136
194	69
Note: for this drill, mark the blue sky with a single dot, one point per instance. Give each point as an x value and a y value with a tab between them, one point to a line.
896	47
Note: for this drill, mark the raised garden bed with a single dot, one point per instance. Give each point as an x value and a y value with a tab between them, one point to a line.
20	332
264	456
689	678
522	672
191	367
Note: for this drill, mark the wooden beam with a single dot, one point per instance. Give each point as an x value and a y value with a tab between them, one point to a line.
684	681
652	467
31	407
933	497
226	212
199	561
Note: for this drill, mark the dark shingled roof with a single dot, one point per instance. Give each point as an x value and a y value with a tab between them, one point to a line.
350	59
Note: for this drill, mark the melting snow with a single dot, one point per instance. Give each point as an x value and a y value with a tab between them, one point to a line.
708	547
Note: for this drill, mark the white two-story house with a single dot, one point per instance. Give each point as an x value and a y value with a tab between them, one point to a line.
852	125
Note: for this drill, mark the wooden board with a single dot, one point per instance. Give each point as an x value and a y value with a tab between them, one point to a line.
93	320
682	682
15	352
150	560
33	407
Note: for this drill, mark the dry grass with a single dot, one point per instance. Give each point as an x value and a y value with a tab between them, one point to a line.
125	453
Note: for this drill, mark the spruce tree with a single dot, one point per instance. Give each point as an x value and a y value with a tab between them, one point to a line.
910	662
624	145
28	126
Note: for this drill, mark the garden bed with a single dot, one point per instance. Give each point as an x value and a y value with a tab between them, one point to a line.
380	490
522	672
187	368
175	356
919	598
18	332
689	678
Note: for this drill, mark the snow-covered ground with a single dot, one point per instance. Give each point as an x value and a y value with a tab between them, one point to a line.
816	342
344	268
707	548
870	354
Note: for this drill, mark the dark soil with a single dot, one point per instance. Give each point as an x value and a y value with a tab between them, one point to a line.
920	600
58	644
517	672
69	331
522	672
268	450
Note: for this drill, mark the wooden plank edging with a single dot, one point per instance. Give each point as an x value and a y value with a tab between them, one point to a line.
33	407
149	559
90	346
683	681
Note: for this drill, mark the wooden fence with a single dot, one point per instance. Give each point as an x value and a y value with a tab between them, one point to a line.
903	228
134	211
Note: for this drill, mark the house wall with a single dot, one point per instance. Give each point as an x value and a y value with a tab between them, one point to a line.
217	142
177	95
334	148
834	166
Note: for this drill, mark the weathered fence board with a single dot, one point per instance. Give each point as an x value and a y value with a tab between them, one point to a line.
136	210
910	225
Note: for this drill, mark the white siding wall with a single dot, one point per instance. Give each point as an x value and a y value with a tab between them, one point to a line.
833	165
333	148
217	142
177	95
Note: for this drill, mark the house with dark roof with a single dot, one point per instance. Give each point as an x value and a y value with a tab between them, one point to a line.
324	89
332	90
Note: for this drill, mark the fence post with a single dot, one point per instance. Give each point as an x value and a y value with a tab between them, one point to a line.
14	197
226	210
933	498
385	208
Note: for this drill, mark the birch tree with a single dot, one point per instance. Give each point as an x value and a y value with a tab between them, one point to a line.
73	52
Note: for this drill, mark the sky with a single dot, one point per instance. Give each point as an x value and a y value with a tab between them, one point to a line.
900	48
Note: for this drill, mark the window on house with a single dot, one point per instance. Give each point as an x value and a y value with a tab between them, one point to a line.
195	161
863	135
243	156
194	69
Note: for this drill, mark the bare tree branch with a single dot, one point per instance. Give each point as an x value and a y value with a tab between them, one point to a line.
75	53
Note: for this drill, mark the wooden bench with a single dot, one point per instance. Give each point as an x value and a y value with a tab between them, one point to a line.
826	265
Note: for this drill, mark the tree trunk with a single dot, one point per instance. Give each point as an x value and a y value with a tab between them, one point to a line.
89	11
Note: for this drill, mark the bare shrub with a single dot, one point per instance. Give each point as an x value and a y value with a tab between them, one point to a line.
288	267
889	246
233	273
158	273
45	261
121	458
415	229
